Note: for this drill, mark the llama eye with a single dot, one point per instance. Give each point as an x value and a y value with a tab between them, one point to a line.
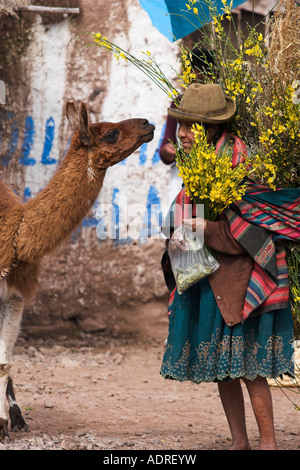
112	136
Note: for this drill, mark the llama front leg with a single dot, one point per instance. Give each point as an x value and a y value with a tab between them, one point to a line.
11	314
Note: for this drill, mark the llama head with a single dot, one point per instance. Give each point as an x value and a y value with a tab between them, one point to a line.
107	143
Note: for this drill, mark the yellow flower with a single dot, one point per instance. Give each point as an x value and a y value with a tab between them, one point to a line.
97	37
210	177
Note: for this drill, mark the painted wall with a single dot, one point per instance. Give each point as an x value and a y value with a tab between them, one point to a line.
57	68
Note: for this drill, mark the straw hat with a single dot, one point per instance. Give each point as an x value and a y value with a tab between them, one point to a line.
204	103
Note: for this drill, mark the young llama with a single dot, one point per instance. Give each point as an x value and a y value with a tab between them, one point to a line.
30	230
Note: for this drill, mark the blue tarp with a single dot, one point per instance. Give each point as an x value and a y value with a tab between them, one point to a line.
172	18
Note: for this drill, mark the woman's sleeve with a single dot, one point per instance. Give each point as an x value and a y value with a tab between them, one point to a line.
169	135
217	235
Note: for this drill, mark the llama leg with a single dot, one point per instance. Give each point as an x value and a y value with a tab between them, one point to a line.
16	418
4	373
11	314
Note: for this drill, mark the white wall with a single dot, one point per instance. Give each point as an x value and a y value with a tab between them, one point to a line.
142	179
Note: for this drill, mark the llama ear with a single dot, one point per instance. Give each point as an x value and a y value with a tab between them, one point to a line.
84	134
72	115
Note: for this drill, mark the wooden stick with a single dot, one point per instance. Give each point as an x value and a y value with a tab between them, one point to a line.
43	9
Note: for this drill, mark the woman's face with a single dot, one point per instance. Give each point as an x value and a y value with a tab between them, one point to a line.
186	135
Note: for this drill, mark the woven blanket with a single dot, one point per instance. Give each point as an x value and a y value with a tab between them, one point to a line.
262	218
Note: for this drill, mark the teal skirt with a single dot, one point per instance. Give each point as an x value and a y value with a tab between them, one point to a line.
202	348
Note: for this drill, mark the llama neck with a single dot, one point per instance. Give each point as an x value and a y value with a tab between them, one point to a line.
56	211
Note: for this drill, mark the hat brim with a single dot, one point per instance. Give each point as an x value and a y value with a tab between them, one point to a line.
183	115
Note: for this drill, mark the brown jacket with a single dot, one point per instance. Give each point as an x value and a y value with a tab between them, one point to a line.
230	281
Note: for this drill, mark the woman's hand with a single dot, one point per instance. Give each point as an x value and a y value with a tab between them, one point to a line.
196	224
177	241
168	153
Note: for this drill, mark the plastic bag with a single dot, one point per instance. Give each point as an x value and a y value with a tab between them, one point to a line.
192	261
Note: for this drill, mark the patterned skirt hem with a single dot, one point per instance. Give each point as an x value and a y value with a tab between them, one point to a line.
226	377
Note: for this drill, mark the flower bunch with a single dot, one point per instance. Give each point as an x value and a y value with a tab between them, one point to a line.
264	82
277	122
187	75
208	176
263	170
148	65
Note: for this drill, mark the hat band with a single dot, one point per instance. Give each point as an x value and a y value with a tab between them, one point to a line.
216	112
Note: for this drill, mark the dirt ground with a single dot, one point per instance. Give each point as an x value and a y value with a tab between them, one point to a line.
98	393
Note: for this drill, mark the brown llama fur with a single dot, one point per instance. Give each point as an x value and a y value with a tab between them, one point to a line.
30	230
